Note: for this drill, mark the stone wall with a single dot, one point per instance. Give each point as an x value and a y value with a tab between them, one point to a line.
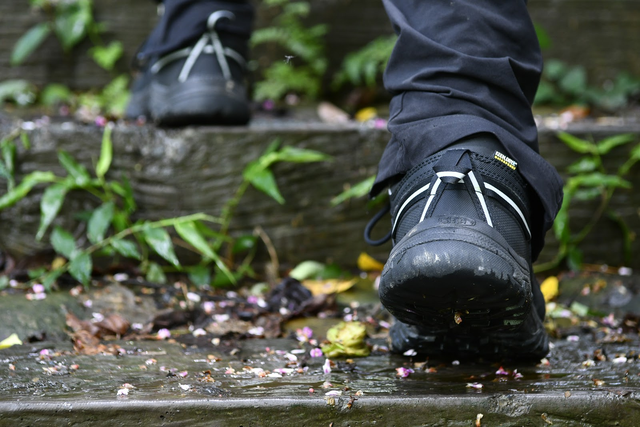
178	172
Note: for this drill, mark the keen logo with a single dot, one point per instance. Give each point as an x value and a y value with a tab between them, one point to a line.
506	160
456	220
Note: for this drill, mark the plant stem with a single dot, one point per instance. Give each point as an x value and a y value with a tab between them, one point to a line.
136	229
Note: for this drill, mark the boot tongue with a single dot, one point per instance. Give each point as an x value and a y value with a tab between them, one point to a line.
454	165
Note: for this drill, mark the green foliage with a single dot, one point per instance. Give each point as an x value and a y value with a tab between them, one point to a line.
72	22
543	37
588	181
360	189
107	56
19	91
562	84
110	228
111	100
363	67
300	44
54	94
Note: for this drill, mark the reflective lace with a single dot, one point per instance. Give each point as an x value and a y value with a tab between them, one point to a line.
209	44
453	168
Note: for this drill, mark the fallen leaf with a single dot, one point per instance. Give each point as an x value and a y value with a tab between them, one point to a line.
12	340
367	263
114	324
329	286
347	339
366	114
549	288
331	114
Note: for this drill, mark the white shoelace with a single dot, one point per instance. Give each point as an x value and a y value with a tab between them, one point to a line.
210	44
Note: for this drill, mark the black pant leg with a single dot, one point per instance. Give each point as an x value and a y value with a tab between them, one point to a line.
462	67
184	21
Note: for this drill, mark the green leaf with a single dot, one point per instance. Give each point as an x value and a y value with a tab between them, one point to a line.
29	42
36	273
574	82
579	309
223	280
610	143
54	94
361	189
120	220
50	278
78	172
574	258
7	166
20	91
206	231
577	144
80	268
24	138
107	56
8	176
9	155
634	157
72	21
155	274
106	153
114	97
587	194
200	275
99	222
126	248
300	155
244	243
189	232
263	180
50	205
4	282
126	192
597	179
554	69
22	189
561	223
585	164
307	270
160	242
543	37
63	242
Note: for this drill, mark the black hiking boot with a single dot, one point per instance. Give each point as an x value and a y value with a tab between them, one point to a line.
459	277
200	84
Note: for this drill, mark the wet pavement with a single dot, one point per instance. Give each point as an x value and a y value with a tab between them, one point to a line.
263	382
590	378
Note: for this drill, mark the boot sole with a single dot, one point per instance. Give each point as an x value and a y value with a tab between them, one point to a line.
462	279
198	102
529	343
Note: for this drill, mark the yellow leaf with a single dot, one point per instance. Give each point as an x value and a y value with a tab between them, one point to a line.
11	341
549	288
58	262
329	286
366	114
366	263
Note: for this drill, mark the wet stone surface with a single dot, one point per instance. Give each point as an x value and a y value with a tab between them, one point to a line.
590	378
260	368
147	373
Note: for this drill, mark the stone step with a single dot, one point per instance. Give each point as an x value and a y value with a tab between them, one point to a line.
182	171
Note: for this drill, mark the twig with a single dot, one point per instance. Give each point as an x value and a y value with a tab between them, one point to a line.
275	264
